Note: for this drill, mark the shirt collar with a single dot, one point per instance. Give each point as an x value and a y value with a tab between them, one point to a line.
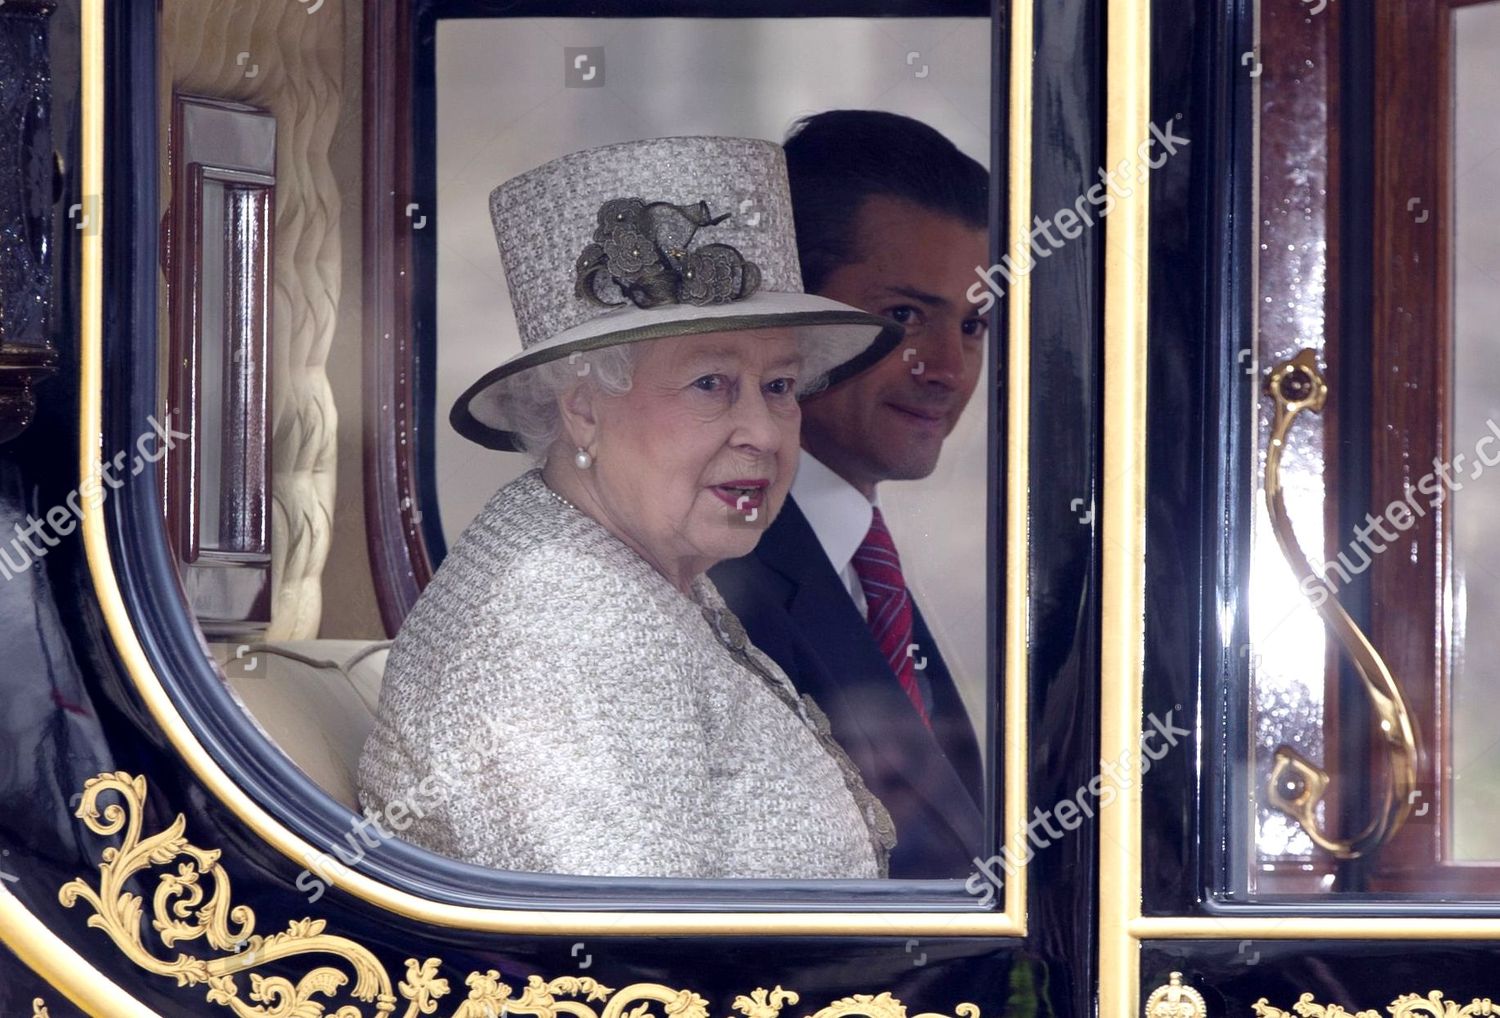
839	515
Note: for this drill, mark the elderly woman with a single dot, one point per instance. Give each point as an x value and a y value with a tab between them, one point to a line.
570	678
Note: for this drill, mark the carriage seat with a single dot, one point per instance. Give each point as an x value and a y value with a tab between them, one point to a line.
315	699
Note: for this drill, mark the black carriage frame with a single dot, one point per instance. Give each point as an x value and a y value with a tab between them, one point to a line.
1199	459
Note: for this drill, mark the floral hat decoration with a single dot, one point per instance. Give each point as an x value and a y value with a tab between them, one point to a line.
650	239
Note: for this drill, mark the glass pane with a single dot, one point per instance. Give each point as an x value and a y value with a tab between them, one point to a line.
1286	656
1476	411
513	94
213	365
232	344
1372	765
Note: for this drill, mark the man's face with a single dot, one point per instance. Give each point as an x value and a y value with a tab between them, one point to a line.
888	422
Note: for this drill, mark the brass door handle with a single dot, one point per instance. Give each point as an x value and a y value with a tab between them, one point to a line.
1297	785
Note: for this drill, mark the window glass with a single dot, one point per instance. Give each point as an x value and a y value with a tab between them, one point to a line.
903	678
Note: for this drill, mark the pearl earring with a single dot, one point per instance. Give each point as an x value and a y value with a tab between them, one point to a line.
582	459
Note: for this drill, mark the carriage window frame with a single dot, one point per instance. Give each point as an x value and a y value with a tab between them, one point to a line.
1415	873
163	650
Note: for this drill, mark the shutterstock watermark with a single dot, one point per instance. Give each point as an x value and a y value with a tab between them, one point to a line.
399	813
1401	515
1070	221
373	827
1070	813
61	520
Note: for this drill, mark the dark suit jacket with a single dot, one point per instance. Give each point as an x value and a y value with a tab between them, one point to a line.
796	609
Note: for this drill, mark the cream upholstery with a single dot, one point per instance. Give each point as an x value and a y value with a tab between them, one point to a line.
315	699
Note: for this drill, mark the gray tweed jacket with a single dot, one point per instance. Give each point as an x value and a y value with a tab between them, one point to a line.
576	713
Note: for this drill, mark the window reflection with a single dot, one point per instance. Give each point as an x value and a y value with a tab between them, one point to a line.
1286	657
1376	255
505	106
1476	417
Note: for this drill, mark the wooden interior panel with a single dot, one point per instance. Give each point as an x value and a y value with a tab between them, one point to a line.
399	559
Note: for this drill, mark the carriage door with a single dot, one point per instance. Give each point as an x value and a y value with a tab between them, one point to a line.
1318	290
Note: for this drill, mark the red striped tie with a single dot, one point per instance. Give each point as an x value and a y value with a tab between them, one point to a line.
890	614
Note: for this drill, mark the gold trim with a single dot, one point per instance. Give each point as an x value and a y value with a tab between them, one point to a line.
1176	1000
38	948
881	1005
39	1009
1123	577
194	902
1408	1005
181	913
1011	922
1017	737
61	967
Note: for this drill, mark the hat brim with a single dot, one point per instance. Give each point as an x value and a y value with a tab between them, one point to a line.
837	341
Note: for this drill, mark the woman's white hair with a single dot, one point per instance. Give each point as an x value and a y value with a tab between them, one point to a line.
533	394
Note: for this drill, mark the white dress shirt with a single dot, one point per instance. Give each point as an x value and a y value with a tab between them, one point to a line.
839	515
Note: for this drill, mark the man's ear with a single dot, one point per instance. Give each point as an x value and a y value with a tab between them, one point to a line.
578	406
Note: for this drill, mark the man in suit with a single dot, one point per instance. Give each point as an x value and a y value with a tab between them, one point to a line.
893	219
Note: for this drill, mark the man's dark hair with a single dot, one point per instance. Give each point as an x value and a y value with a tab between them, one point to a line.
838	159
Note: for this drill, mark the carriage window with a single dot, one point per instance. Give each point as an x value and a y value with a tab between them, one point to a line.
645	483
770	74
1475	569
806	567
1372	578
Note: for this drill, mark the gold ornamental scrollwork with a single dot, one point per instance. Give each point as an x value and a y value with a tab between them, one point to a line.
1410	1005
193	903
39	1009
184	911
1176	999
881	1005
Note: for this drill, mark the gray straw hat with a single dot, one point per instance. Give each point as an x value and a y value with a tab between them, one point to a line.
648	239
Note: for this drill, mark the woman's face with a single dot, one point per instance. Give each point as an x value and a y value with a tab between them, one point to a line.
695	460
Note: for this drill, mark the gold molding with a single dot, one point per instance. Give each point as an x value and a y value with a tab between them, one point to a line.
1408	1005
39	1009
1009	922
61	967
1122	587
183	910
38	948
1017	670
194	901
